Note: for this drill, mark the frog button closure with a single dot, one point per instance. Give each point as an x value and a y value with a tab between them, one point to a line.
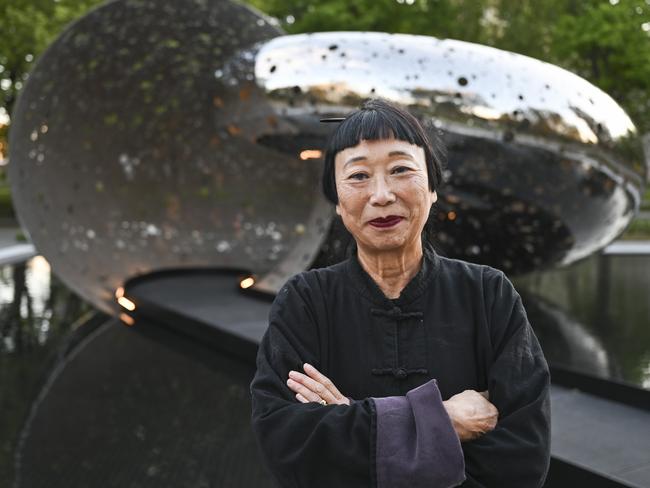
400	373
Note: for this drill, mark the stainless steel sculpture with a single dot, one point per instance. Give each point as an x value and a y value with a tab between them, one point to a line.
157	135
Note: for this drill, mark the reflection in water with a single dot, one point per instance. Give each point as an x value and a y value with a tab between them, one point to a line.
594	316
34	306
143	407
566	341
36	314
18	304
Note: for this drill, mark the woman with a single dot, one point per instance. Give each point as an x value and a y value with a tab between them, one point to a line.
376	372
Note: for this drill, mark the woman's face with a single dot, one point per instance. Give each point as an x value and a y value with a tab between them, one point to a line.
386	180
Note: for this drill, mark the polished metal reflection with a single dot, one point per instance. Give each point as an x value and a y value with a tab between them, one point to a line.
544	168
129	153
567	342
159	134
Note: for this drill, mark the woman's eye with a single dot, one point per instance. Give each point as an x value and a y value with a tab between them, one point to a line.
358	176
401	169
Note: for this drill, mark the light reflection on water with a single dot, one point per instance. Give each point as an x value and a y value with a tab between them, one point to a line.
594	316
37	312
27	287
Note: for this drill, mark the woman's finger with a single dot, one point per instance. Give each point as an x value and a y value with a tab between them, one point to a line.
301	398
322	379
303	390
314	386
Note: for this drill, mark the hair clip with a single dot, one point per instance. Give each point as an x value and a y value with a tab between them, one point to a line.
333	119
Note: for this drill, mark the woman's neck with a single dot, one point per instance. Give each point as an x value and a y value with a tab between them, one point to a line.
392	270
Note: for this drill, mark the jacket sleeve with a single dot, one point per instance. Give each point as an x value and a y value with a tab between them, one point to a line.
517	452
312	445
304	444
417	445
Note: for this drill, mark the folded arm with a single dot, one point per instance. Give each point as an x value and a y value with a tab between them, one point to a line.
308	444
516	454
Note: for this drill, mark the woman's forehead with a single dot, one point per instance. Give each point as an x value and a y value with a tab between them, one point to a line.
380	148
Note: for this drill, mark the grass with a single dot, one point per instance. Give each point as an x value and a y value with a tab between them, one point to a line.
638	229
645	203
6	208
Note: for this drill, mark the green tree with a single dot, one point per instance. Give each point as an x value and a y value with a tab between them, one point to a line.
610	46
605	41
28	27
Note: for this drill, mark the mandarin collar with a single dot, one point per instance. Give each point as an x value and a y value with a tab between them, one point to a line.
368	288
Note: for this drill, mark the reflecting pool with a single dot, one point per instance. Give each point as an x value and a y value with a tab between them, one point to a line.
37	314
594	316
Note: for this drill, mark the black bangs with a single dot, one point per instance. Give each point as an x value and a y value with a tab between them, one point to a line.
371	125
379	119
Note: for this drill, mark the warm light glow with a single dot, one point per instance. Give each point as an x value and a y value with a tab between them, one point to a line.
119	292
451	215
40	264
311	154
247	282
452	198
127	319
126	303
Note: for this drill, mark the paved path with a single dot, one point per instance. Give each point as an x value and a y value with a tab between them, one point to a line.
603	436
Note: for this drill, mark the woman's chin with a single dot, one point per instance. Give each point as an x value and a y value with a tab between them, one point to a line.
385	244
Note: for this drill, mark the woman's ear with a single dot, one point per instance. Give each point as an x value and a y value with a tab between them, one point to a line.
338	209
434	197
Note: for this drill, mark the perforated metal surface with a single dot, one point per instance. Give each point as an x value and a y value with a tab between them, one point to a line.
159	134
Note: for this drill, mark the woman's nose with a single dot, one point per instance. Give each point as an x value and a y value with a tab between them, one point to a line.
382	193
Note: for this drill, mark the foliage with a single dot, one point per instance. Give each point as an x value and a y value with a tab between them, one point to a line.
610	46
6	208
638	229
645	204
29	27
606	42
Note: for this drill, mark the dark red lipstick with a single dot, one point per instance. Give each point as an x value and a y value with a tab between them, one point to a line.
384	222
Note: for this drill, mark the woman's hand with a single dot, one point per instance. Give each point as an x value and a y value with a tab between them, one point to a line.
315	387
471	414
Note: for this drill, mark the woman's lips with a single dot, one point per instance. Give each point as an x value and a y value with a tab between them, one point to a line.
389	221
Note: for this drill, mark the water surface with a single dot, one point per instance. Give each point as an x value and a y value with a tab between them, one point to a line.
594	316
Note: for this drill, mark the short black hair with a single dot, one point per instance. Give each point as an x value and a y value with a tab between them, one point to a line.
380	119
